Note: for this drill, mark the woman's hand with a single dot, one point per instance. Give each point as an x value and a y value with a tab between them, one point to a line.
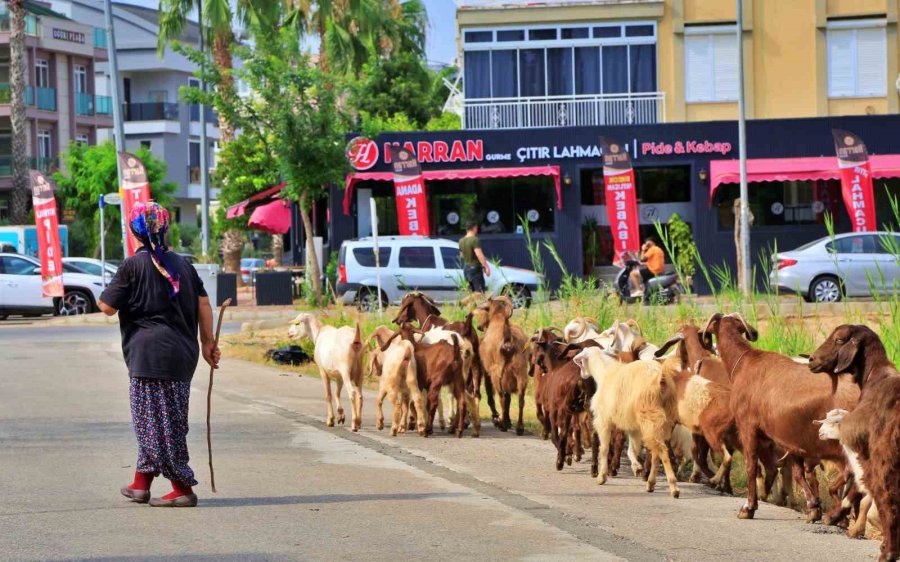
211	353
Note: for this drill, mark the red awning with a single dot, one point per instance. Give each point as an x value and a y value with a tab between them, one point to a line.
794	169
274	217
471	173
240	209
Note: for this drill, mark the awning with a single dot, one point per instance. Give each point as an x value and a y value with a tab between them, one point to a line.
794	169
471	173
240	209
274	217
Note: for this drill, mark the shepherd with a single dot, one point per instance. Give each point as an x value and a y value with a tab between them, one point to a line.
161	302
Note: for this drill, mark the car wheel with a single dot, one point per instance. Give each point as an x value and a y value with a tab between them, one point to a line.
826	289
74	302
4	316
368	300
519	295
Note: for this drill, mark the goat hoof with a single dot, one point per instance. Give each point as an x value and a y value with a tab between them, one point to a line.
393	432
601	480
746	513
502	428
614	472
695	479
520	430
650	488
559	465
459	434
813	515
379	426
854	533
545	435
676	494
594	472
569	460
423	433
329	422
577	457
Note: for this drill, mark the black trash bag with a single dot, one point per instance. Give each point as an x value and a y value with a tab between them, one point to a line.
288	355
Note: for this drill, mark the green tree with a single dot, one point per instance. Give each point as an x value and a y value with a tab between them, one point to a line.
21	193
401	83
89	172
244	166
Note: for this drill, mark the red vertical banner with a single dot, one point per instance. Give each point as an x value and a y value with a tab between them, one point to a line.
621	198
47	222
135	189
409	190
856	180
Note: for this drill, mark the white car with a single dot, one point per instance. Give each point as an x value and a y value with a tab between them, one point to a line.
20	289
93	266
430	265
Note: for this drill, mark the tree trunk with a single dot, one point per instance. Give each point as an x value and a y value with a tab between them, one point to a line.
278	249
312	260
232	245
222	56
21	192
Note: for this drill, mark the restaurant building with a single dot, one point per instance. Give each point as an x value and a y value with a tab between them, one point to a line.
542	81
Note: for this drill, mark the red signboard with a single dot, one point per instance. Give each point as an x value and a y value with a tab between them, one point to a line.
409	189
856	180
362	153
47	222
135	189
621	200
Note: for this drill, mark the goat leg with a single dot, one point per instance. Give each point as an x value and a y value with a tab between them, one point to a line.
489	390
813	507
434	396
520	426
842	506
700	456
858	528
595	453
750	444
618	446
460	393
329	400
603	432
563	418
379	411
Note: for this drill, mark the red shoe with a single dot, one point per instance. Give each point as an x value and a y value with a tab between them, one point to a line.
139	490
180	496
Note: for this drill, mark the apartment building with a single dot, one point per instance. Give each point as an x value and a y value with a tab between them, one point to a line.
154	116
63	103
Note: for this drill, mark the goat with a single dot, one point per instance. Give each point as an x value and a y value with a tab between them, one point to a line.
639	398
399	383
339	355
503	352
775	399
872	429
437	365
378	336
416	306
468	357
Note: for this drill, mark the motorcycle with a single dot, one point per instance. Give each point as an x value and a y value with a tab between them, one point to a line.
663	289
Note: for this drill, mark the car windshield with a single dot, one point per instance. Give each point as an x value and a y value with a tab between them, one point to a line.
807	246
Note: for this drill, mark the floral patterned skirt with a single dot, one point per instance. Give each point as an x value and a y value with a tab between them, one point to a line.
159	413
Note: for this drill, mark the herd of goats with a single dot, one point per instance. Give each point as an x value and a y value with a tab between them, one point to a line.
701	396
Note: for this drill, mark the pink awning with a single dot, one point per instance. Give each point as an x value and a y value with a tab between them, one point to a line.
240	209
471	173
793	169
274	217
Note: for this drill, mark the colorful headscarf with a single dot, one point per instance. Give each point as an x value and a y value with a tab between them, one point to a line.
149	223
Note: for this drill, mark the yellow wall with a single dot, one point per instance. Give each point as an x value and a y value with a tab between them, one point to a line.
785	58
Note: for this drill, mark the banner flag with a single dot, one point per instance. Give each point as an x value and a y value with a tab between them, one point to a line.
621	198
856	180
47	221
409	189
135	189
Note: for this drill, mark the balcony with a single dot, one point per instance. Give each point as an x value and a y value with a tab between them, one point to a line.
100	40
565	111
46	98
31	26
84	103
211	116
153	111
46	165
103	105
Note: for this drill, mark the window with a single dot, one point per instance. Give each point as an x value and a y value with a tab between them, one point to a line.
80	79
451	259
417	257
194	161
146	144
857	58
365	257
82	139
16	266
158	96
45	143
511	35
711	64
783	203
4	209
861	244
670	184
479	36
5	141
42	73
92	268
4	68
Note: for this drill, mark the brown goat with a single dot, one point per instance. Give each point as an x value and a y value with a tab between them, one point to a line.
872	429
416	306
437	365
504	352
776	399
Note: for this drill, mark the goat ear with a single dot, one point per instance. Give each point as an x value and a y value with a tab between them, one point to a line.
666	346
846	355
390	339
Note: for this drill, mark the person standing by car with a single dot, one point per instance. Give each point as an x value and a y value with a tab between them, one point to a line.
653	263
161	302
476	266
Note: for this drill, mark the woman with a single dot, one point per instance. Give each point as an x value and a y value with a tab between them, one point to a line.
161	301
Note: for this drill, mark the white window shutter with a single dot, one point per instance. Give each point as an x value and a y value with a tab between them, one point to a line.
871	61
698	68
725	67
841	62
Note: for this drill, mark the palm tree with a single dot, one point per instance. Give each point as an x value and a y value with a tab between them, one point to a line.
21	193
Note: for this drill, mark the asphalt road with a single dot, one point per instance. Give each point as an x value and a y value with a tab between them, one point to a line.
291	489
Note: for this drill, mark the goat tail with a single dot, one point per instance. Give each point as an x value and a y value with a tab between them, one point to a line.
457	355
357	339
661	392
356	366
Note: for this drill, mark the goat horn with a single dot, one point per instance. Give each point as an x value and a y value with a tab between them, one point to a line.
583	323
751	333
665	347
715	316
592	322
632	323
555	330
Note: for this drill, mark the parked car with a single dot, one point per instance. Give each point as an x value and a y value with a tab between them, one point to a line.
249	266
20	289
430	265
92	266
857	264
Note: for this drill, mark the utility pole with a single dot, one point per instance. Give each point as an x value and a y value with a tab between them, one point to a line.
744	271
119	128
204	159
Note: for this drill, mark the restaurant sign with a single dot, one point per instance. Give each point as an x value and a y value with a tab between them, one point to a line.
70	36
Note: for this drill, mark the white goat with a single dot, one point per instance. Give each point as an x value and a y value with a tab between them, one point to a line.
830	428
399	384
621	336
639	399
339	356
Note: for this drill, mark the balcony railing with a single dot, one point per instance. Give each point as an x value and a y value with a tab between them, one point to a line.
46	98
100	41
84	103
31	24
565	111
153	111
103	105
46	165
211	116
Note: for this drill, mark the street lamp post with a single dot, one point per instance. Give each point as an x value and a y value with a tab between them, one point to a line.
744	250
116	107
204	161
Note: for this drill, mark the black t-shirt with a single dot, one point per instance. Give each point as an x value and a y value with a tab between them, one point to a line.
159	332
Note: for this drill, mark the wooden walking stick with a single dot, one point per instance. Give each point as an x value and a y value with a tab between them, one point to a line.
212	474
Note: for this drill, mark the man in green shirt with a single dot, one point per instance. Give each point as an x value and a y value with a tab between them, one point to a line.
475	264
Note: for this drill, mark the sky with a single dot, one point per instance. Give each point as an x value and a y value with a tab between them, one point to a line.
441	47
